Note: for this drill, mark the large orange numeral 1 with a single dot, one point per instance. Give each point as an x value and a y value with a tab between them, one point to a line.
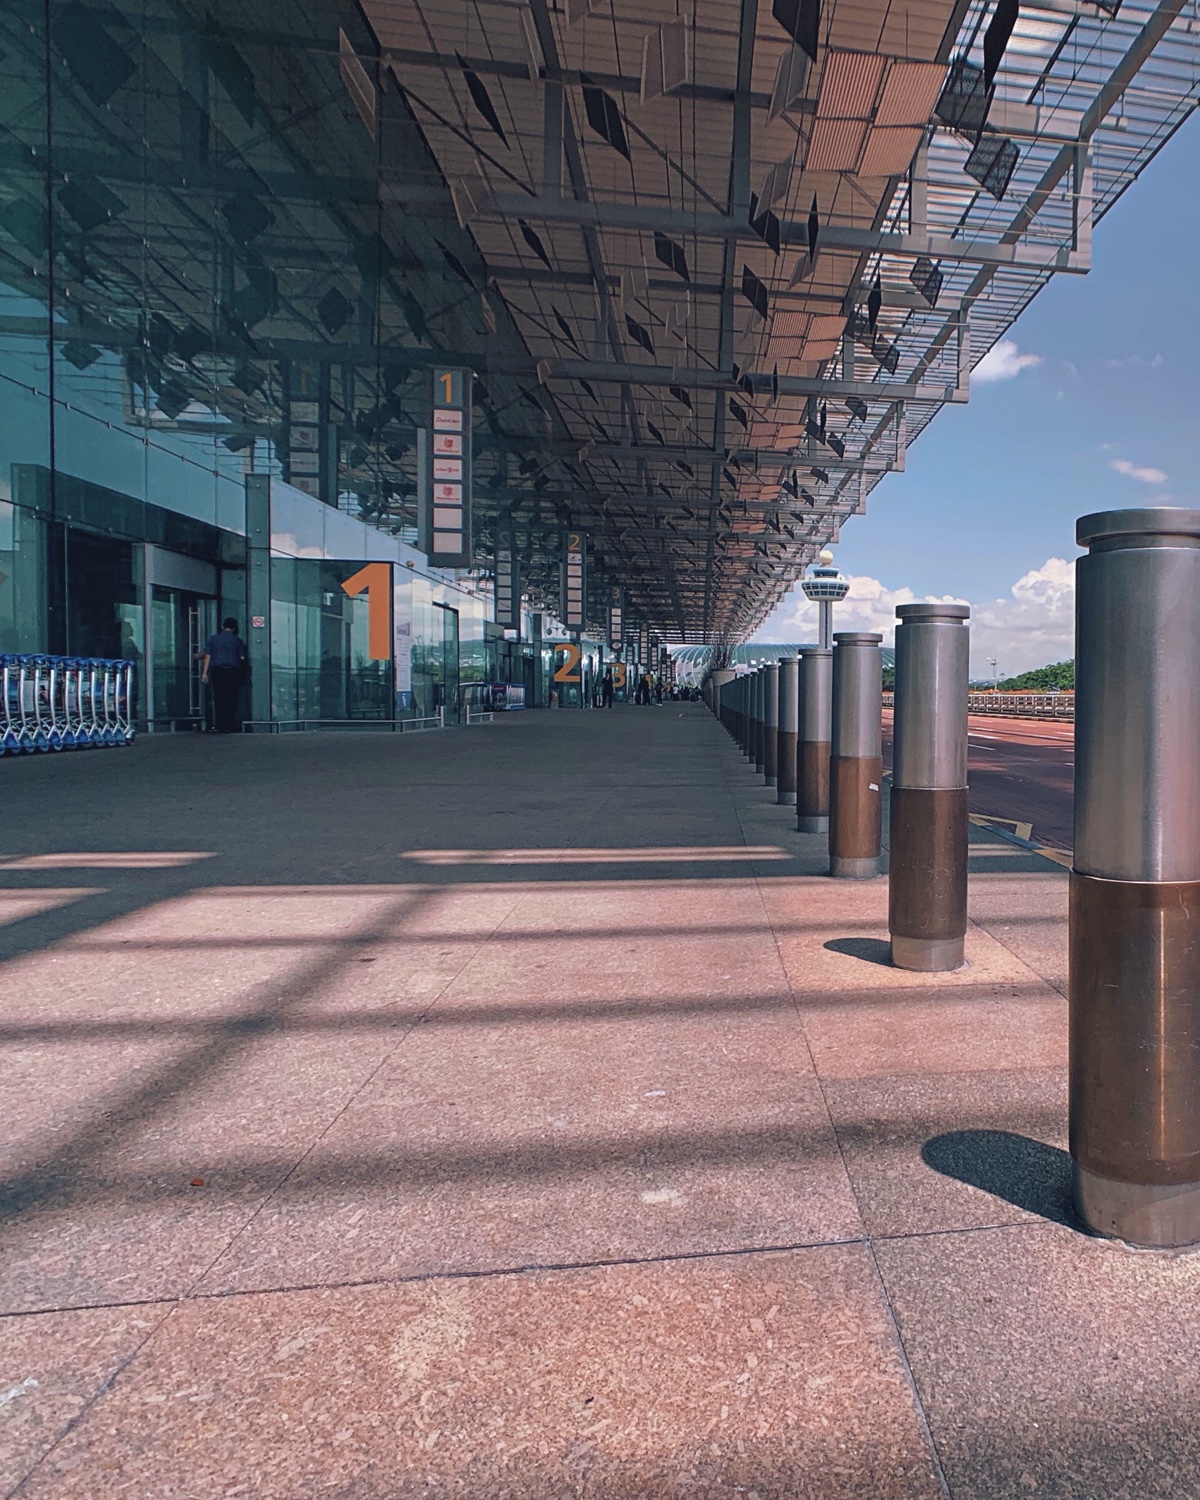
571	655
447	379
376	579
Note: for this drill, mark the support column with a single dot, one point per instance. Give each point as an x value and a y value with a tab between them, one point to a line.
258	593
927	879
789	726
1135	882
770	723
813	748
856	763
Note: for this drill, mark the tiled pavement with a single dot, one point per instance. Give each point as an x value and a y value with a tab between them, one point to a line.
561	1133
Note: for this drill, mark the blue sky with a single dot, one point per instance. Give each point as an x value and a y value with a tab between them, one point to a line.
992	490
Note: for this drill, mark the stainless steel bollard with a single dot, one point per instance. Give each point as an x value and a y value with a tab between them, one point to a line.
770	723
1135	882
788	731
813	747
927	878
760	713
856	762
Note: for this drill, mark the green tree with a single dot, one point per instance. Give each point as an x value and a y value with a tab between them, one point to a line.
1059	674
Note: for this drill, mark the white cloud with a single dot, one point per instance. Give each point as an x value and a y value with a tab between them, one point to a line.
1033	625
1004	361
868	606
1134	471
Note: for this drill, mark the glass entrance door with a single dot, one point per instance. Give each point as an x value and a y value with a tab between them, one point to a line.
180	626
450	663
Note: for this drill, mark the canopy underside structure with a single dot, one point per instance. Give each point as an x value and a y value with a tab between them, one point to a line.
713	265
747	278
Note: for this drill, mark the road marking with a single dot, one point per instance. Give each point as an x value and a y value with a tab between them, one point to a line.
1022	830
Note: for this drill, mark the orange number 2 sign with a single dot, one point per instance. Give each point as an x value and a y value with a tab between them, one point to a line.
569	670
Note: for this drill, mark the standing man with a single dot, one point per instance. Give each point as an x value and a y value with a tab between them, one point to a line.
225	667
606	688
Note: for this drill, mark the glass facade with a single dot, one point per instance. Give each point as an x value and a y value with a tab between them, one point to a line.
205	276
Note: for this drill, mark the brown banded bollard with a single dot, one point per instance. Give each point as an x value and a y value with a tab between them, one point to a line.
927	877
771	723
787	733
813	746
1135	879
856	761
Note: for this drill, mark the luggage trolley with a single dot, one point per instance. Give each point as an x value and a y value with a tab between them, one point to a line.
64	702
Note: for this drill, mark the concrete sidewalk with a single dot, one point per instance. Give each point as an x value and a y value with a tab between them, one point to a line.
562	1132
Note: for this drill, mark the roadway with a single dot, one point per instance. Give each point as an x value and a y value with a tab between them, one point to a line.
1021	773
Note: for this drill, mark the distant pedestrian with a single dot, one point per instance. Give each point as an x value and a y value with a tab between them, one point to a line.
606	688
225	659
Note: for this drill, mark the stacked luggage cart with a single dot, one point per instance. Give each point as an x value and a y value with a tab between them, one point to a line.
64	703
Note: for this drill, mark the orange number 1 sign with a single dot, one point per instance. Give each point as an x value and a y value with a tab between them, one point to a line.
376	579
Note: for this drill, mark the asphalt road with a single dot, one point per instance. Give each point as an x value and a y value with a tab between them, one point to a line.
1020	771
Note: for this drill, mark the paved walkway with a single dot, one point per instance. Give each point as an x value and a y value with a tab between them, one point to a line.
515	1112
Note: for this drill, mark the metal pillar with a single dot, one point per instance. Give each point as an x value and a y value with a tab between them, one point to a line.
789	725
770	723
760	713
719	697
825	623
816	732
258	593
927	880
856	762
1135	882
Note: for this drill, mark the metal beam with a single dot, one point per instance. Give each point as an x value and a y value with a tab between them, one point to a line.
793	232
716	380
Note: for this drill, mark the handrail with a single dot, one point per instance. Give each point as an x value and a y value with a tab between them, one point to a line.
1015	705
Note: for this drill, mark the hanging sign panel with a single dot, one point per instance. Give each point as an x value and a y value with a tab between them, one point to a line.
616	618
574	581
508	580
444	464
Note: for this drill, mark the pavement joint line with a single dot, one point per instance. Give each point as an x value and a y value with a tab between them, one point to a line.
866	1241
354	1094
531	1268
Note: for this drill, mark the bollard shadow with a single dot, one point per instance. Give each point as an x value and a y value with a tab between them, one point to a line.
1026	1173
870	950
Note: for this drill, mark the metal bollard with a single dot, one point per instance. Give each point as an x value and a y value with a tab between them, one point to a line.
856	761
789	723
927	881
816	732
760	713
1135	881
771	723
718	683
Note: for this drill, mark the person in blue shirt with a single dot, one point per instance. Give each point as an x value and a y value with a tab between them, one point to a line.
225	667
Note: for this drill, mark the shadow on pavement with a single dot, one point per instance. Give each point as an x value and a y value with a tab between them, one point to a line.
1026	1173
870	950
